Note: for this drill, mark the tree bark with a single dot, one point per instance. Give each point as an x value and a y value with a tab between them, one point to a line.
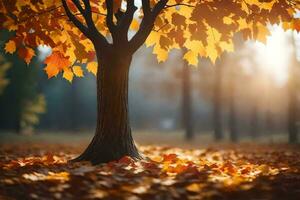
217	113
113	138
187	116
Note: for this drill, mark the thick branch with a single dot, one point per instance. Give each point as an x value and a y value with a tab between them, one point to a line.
79	7
128	17
91	31
158	8
147	25
146	8
88	14
109	16
75	21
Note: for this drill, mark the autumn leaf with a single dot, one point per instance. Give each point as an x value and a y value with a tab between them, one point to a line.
194	187
92	67
10	47
212	24
55	63
68	74
77	71
26	54
191	57
134	25
161	54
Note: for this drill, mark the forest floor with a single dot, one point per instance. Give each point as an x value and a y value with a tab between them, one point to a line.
37	168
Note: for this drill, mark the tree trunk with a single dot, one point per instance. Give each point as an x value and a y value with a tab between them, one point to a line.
187	117
113	138
292	111
293	94
254	120
232	110
218	129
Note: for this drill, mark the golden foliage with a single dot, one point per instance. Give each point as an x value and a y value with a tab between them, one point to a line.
92	67
205	28
10	47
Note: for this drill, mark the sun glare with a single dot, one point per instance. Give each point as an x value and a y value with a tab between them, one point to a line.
274	57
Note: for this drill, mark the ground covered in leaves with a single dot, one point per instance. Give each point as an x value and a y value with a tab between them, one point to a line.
39	171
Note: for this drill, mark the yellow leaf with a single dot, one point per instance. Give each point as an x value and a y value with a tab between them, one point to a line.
195	46
134	25
161	54
68	74
10	47
191	57
213	39
92	67
152	38
262	33
227	20
194	187
242	23
227	46
78	71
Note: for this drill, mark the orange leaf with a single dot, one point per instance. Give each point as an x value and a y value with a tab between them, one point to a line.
26	54
56	62
10	47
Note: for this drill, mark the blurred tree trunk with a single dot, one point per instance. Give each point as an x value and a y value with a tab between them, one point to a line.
254	120
187	112
292	104
232	109
255	106
74	108
217	100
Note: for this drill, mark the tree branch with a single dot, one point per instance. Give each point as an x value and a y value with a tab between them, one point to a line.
109	16
147	24
128	17
90	23
179	4
75	21
91	31
158	8
79	7
146	8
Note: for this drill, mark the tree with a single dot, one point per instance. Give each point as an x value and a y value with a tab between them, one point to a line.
4	66
217	117
293	98
21	103
187	102
79	30
233	134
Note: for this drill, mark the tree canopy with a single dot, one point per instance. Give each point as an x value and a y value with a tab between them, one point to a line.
204	28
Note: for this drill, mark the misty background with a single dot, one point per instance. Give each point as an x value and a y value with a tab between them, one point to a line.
251	93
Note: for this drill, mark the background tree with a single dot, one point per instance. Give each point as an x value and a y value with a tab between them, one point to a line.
78	30
233	132
293	115
187	102
217	101
4	66
28	103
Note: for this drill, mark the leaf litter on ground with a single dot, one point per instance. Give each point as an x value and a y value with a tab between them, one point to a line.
37	171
